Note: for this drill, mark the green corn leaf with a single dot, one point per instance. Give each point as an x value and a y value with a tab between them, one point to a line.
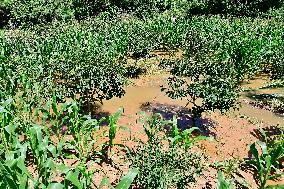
22	166
263	147
189	131
276	176
63	168
8	177
54	105
175	130
277	153
254	152
73	178
11	128
222	183
55	186
105	182
49	164
127	180
52	150
23	182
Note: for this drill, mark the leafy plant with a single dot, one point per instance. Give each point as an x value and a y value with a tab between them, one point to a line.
231	169
222	182
161	165
265	162
124	183
185	138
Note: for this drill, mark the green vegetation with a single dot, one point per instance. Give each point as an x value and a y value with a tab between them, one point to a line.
267	163
164	165
58	58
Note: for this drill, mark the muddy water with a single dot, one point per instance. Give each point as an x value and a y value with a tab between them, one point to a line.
137	97
257	114
147	91
260	115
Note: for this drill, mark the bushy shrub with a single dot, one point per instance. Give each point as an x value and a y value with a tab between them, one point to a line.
163	167
206	86
29	12
218	55
26	12
233	7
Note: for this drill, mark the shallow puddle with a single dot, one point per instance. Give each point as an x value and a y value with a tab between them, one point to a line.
136	98
147	90
259	115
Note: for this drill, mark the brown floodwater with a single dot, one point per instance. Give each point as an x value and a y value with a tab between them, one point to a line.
146	91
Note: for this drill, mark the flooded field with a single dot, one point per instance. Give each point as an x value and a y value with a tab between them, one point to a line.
232	132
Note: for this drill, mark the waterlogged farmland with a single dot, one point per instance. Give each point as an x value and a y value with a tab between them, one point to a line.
141	94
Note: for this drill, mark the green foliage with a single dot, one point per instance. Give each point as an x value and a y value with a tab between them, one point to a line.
160	165
124	183
267	163
223	183
40	11
218	55
4	13
30	12
231	169
30	140
233	7
185	138
61	64
56	54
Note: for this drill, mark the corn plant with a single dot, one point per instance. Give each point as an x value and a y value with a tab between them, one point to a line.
9	137
152	126
43	151
80	177
223	183
265	161
84	138
14	172
231	169
124	183
184	138
110	134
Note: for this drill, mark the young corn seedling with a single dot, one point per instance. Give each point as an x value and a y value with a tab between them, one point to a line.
265	161
42	151
152	125
14	173
124	183
223	183
107	147
83	130
80	178
184	138
55	114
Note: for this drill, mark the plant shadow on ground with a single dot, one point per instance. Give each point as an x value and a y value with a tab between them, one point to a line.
95	110
183	115
272	102
270	131
134	72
